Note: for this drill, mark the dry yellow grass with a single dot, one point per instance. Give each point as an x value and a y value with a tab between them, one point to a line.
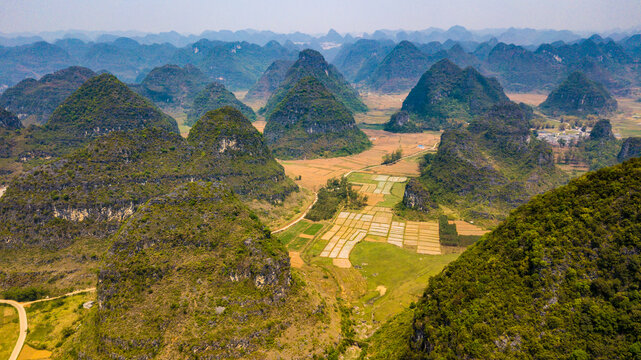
534	99
316	172
29	353
381	107
295	260
465	228
260	125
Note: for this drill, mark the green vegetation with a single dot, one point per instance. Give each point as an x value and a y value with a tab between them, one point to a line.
555	280
83	197
313	229
186	261
51	323
288	235
630	148
448	235
399	70
37	99
311	63
172	86
101	105
599	150
213	97
8	120
445	97
580	96
358	60
23	294
269	81
237	65
393	157
486	170
394	197
310	122
9	330
402	272
336	194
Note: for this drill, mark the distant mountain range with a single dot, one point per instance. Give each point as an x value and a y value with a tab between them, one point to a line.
521	36
379	62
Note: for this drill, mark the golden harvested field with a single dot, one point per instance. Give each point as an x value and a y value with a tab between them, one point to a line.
381	107
465	228
315	172
260	125
533	99
29	353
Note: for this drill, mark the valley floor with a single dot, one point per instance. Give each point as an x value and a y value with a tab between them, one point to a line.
368	264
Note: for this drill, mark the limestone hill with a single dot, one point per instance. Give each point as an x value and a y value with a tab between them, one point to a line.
400	69
213	97
8	124
192	272
172	86
554	281
358	60
579	96
269	81
598	150
101	105
63	212
489	168
446	96
310	122
311	63
35	100
229	148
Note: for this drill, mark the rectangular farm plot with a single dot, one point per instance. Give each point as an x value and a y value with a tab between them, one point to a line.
428	239
465	228
377	223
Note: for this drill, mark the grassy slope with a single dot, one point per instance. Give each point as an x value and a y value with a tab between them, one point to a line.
9	329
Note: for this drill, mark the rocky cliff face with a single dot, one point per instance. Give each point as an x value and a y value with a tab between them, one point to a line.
416	197
192	273
8	121
580	96
630	148
447	96
310	122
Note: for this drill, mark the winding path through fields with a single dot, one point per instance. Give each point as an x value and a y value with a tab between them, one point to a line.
22	315
298	218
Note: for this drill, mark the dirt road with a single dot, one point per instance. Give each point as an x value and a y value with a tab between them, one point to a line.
22	314
299	218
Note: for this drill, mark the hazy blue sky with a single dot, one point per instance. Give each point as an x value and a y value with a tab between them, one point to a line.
194	16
